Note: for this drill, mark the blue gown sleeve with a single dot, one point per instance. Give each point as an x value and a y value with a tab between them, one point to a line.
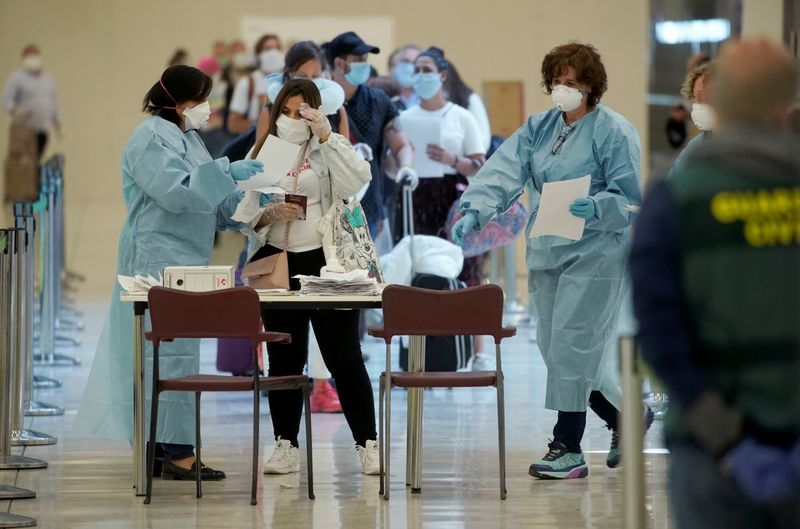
226	210
166	178
501	181
619	155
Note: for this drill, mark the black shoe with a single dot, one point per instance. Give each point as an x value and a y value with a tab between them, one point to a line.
170	471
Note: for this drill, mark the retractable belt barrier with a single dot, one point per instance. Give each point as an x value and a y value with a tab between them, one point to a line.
51	243
24	220
11	305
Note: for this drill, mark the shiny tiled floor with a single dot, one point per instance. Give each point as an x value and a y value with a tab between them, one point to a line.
88	482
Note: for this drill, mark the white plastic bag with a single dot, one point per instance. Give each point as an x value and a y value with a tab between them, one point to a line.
432	255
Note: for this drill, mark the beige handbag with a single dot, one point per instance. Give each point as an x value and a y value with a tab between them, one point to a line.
268	272
273	272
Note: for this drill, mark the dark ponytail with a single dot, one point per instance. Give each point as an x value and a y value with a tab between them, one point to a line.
178	84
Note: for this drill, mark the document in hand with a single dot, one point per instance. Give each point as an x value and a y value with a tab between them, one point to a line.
279	157
553	217
422	131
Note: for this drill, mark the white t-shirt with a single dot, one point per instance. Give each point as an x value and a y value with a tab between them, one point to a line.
460	133
239	102
304	235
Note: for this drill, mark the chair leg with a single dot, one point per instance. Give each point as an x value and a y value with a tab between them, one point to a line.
309	456
388	442
151	448
381	435
197	463
501	432
256	421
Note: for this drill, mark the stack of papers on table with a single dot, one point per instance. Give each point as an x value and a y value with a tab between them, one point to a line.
317	286
138	283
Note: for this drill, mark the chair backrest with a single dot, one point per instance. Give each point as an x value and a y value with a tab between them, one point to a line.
229	313
421	312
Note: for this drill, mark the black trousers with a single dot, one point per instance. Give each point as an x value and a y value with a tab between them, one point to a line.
338	338
571	424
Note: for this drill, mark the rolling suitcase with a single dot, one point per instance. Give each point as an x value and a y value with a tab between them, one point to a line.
442	353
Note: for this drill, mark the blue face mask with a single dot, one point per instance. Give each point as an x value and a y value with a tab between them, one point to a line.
403	73
427	85
358	74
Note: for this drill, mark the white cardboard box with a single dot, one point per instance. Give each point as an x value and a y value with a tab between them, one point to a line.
199	278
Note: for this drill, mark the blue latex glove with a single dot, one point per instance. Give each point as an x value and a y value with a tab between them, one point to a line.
583	208
763	472
246	169
464	225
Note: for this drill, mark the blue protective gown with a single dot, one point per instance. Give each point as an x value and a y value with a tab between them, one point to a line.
577	286
686	153
176	197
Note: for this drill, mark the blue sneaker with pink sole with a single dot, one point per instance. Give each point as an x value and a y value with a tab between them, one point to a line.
559	463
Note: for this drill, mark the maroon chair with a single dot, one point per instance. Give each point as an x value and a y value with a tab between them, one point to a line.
230	313
476	311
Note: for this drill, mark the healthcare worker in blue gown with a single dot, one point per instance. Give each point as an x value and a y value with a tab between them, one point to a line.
577	286
176	196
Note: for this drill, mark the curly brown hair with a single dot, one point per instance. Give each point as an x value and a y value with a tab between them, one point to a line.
707	69
588	67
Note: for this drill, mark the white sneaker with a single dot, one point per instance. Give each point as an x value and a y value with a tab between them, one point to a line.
482	362
369	458
285	459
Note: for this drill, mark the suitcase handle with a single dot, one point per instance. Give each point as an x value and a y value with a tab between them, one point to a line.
408	222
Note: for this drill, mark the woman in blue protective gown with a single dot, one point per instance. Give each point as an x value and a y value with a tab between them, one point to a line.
176	197
577	286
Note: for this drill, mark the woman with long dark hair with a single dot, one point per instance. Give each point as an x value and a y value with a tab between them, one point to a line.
329	172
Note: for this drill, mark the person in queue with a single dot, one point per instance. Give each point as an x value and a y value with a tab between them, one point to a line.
697	89
372	122
176	197
401	66
576	285
306	60
717	296
330	171
250	91
461	152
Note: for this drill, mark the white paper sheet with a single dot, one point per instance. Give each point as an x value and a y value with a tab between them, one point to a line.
279	157
553	217
421	132
249	207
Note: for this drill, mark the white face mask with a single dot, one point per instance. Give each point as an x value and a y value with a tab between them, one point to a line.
242	60
292	130
703	116
271	61
197	116
565	98
32	63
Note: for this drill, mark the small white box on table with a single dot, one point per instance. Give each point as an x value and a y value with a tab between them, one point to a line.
199	278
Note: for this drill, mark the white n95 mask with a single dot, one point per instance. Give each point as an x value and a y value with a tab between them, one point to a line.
703	116
271	61
565	98
32	63
292	130
197	116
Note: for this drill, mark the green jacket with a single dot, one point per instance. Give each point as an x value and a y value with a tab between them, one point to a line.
738	203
